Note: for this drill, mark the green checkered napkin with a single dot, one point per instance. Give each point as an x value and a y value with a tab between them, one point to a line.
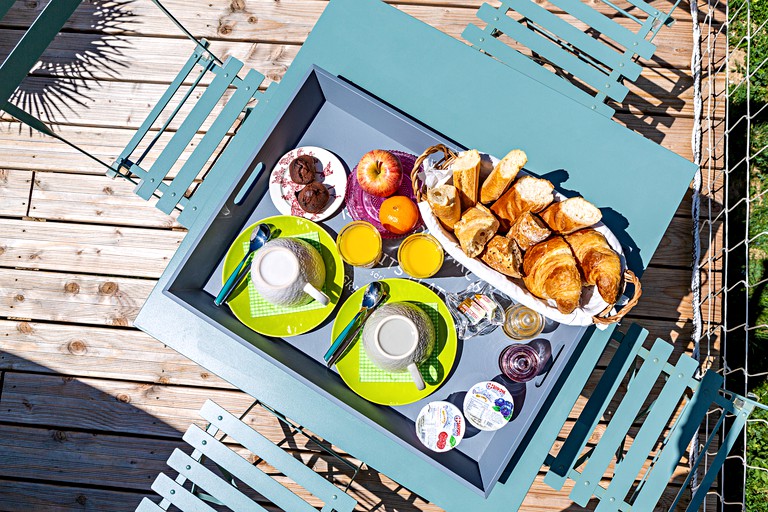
260	307
369	372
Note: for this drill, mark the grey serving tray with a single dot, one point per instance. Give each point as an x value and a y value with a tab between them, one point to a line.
329	112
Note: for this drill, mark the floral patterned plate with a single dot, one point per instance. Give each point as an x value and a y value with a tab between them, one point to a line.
330	172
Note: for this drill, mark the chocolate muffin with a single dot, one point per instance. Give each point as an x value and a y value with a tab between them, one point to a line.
302	169
313	197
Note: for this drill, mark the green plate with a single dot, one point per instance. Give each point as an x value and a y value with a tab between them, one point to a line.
286	323
398	388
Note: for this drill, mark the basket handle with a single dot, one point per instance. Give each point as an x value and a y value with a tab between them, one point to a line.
629	277
419	191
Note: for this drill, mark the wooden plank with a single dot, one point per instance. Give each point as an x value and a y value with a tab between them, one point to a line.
83	458
160	58
24	496
37	152
61	297
667	294
121	251
93	199
14	192
125	407
77	350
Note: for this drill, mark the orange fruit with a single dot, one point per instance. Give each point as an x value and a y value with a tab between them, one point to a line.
398	215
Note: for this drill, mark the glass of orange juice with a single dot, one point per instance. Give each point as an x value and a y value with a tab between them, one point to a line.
359	243
420	255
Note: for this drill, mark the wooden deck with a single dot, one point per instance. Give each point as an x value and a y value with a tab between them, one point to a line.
90	408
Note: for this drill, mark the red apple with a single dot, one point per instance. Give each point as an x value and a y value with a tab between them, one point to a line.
379	173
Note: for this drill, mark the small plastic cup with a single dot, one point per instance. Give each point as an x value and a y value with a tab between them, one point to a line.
359	244
420	255
522	323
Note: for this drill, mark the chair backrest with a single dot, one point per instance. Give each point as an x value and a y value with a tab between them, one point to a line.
152	182
219	489
694	401
599	65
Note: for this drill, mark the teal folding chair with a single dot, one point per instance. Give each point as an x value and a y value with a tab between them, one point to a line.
198	488
638	484
600	66
152	181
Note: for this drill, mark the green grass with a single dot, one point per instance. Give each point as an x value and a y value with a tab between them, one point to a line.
748	89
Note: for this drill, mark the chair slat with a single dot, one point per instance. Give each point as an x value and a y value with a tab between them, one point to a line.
213	485
622	420
213	137
189	128
552	52
32	44
717	462
192	61
647	9
178	495
595	407
148	506
607	27
277	457
211	184
567	32
513	58
676	444
245	471
663	408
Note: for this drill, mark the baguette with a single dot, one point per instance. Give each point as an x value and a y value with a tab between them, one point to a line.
599	263
571	215
551	273
444	202
528	194
502	176
503	254
466	177
528	230
476	227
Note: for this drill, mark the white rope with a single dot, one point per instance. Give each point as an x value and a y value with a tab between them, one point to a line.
693	451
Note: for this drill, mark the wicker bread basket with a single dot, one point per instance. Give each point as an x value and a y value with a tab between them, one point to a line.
603	318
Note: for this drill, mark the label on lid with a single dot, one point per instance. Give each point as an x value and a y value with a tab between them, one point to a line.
440	426
488	406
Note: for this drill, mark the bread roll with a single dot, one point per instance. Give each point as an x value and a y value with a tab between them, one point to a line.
550	273
528	230
476	227
528	194
444	201
502	254
502	176
600	265
571	215
466	177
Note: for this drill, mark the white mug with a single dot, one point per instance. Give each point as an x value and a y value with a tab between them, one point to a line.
289	272
398	337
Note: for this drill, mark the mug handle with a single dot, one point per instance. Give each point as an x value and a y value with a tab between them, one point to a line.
417	378
316	294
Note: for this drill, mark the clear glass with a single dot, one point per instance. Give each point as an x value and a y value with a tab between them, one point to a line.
346	243
520	362
522	323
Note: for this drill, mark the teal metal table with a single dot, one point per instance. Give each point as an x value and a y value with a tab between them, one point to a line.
395	57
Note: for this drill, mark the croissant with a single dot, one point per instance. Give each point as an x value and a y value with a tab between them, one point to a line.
551	273
600	265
